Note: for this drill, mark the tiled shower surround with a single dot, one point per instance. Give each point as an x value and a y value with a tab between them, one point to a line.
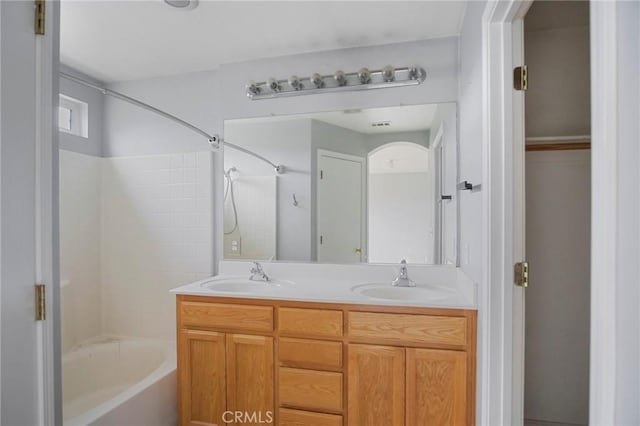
131	228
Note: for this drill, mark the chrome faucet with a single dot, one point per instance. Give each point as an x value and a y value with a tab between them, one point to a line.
403	279
257	273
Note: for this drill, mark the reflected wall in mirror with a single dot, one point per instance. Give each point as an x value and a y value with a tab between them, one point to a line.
374	185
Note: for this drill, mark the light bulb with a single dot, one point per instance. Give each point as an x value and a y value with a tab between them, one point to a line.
414	72
316	79
364	75
388	73
253	88
340	78
274	85
294	81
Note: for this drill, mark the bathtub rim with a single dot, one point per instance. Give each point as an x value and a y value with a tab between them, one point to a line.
168	365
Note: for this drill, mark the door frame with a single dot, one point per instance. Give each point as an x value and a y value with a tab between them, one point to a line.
438	192
43	337
613	374
47	216
502	384
364	184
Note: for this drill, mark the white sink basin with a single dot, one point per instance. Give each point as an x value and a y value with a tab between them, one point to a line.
243	285
389	292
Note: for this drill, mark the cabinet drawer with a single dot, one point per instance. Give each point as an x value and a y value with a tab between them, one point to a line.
314	390
309	353
310	322
288	417
407	329
226	316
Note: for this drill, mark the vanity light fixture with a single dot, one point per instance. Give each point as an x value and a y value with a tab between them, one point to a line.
182	4
274	85
364	76
364	79
294	81
253	88
317	81
388	73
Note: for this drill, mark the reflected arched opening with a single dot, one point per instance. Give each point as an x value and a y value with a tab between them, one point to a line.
401	206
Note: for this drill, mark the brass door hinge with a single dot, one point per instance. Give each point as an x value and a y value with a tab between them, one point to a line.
40	302
521	274
39	22
520	78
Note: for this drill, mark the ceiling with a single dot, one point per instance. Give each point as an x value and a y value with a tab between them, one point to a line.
131	40
400	119
406	118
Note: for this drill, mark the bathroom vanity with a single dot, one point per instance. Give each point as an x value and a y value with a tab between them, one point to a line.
288	356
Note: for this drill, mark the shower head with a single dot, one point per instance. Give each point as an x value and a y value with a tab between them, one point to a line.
227	173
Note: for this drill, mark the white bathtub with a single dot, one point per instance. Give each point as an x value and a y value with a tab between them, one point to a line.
111	381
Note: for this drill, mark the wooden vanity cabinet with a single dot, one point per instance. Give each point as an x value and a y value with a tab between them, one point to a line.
202	377
312	364
225	360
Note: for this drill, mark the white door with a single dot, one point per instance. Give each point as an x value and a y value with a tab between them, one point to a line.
340	207
27	144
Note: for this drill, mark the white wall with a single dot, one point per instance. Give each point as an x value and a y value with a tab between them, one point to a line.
470	140
627	290
80	223
401	217
129	130
156	235
615	294
92	145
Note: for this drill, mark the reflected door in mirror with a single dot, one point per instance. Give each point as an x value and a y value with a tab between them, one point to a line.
340	207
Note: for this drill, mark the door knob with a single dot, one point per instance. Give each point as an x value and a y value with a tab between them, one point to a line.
358	250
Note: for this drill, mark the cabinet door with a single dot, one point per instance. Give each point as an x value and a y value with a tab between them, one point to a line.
375	385
436	387
250	371
201	377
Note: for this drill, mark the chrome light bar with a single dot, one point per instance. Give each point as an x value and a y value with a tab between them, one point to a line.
337	82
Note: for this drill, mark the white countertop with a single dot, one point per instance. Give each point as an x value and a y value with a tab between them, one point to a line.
333	284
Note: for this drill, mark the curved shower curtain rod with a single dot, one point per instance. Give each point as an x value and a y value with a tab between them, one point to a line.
214	140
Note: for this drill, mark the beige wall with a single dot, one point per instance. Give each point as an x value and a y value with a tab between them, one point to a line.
558	193
557	102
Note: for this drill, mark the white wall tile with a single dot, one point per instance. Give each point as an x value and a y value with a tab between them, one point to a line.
80	216
130	231
155	237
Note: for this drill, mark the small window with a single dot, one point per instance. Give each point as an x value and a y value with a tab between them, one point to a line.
64	119
73	116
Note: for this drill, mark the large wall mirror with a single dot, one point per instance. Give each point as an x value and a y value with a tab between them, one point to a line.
372	185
